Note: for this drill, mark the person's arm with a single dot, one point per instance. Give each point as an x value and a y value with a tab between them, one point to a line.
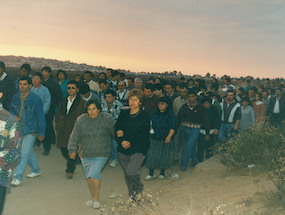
47	101
13	145
252	117
41	119
237	117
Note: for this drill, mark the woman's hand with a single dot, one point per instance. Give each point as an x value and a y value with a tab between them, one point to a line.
72	155
126	144
120	133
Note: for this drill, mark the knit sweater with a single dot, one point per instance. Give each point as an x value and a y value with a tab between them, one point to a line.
91	137
10	145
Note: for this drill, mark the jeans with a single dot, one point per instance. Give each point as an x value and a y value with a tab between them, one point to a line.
27	157
224	132
114	148
190	135
205	146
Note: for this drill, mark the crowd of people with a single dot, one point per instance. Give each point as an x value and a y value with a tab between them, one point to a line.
159	123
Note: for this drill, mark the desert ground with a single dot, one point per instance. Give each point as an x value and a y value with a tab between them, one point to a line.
206	189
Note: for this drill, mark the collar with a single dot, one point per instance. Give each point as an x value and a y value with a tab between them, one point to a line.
68	99
3	76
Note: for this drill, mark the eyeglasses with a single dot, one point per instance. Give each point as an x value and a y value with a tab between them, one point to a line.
71	88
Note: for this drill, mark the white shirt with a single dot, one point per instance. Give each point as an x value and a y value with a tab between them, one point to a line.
88	98
69	103
276	108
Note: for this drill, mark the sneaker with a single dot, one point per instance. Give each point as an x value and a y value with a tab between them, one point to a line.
161	177
96	205
45	153
33	175
16	182
89	203
113	163
149	177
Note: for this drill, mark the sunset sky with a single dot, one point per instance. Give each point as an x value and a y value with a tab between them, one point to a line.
237	38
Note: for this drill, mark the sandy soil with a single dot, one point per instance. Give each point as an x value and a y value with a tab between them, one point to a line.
206	189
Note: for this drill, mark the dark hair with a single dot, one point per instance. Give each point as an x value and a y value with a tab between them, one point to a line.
170	83
122	75
112	92
242	90
123	82
158	87
95	102
149	86
38	74
109	69
83	88
191	91
228	79
182	86
25	78
279	89
2	65
114	73
231	91
166	100
63	72
130	78
103	73
246	99
27	67
102	82
206	99
248	81
88	72
182	78
46	68
73	82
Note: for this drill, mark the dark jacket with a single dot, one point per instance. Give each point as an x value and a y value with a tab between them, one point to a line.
7	86
65	122
55	92
214	117
269	109
33	118
136	131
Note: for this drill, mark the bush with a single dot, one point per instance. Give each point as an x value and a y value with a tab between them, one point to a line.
264	146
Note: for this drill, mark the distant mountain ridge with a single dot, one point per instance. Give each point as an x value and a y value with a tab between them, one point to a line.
38	63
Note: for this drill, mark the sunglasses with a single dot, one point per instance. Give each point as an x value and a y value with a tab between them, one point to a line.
71	88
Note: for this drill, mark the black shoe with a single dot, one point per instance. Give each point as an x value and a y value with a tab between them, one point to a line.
45	153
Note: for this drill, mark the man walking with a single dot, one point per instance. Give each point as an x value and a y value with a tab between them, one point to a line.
69	109
56	96
28	109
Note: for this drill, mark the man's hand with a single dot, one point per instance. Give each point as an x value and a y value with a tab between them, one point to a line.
236	127
216	131
207	138
120	133
72	155
126	144
41	138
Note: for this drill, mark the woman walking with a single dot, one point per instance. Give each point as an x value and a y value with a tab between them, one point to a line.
91	139
163	123
132	129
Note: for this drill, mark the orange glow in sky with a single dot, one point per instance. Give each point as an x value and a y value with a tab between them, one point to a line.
238	38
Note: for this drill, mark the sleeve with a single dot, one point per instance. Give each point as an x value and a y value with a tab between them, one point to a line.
206	123
59	94
13	149
180	115
74	138
47	101
172	121
238	114
40	118
119	125
252	117
217	122
143	137
12	109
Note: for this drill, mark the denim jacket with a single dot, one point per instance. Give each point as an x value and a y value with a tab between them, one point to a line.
33	118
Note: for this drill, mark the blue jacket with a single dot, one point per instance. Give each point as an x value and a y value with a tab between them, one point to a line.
33	118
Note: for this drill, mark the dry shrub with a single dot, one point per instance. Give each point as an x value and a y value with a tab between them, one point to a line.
262	146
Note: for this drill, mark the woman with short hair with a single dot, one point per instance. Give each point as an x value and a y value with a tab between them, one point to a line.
132	129
91	139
